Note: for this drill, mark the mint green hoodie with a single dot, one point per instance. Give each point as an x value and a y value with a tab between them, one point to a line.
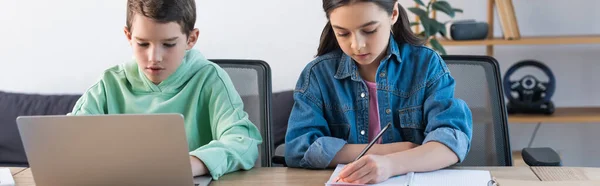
218	130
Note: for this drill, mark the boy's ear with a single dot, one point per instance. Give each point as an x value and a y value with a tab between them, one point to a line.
127	34
193	38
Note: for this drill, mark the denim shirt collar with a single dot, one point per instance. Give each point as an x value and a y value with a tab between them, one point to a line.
348	68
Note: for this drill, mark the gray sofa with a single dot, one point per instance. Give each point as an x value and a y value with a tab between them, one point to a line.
13	105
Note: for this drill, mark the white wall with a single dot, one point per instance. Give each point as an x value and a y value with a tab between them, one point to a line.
46	41
43	42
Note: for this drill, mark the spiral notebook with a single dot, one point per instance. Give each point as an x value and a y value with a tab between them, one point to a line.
6	177
446	177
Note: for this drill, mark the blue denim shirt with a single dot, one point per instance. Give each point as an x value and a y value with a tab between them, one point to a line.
414	91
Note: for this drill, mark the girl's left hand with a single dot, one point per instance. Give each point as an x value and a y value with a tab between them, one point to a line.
368	169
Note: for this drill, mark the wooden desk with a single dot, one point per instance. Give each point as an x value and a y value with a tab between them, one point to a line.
275	176
24	178
561	115
290	176
15	170
591	173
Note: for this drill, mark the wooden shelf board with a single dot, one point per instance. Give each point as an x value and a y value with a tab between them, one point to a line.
561	115
546	40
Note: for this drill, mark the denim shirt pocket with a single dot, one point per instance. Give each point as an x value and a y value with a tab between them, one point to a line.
412	126
341	131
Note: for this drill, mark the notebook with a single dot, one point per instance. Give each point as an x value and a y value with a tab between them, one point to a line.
6	178
503	182
444	177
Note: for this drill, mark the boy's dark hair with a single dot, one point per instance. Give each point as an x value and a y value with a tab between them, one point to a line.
183	12
401	29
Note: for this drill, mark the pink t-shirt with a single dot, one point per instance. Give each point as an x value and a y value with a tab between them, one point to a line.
374	125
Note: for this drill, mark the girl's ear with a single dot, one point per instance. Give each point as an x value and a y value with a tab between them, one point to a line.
127	34
395	14
192	38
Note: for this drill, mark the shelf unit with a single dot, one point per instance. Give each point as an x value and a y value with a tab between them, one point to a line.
546	40
490	41
562	114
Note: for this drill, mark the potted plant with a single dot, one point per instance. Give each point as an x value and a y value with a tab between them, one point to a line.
431	26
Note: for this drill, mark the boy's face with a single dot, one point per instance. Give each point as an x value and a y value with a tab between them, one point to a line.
158	48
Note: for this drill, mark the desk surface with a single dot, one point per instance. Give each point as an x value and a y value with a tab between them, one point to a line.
291	176
15	170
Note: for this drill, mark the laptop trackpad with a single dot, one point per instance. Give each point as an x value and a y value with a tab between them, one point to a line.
202	180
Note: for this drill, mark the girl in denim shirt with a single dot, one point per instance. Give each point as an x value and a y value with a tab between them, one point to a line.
371	71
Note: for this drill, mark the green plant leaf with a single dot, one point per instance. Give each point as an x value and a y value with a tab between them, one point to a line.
439	27
443	6
420	2
435	44
457	10
431	27
414	24
427	28
418	12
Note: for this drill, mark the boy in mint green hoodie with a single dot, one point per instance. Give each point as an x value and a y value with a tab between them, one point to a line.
168	76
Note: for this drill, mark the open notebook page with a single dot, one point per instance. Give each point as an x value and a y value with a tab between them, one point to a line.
440	178
449	177
397	180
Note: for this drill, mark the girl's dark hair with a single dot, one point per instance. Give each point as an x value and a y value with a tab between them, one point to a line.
401	29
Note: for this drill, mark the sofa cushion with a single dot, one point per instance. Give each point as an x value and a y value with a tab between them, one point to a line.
13	105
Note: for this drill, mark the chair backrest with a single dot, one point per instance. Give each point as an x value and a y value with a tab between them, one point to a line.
252	80
478	83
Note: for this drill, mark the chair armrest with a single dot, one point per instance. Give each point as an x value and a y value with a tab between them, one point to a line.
542	156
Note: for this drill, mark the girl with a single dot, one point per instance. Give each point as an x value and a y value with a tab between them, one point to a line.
372	70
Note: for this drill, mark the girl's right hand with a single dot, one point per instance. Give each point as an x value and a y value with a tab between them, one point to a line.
368	169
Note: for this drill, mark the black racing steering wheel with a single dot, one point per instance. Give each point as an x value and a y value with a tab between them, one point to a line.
533	94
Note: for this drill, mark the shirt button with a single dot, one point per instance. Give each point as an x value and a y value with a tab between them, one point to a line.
362	132
362	95
382	74
388	111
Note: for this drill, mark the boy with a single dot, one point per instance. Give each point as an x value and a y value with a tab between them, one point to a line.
168	76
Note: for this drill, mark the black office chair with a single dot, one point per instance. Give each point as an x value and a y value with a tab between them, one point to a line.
479	84
252	80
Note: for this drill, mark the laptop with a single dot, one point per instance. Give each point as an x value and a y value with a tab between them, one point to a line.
128	149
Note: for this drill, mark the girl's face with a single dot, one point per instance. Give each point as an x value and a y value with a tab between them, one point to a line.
363	30
158	48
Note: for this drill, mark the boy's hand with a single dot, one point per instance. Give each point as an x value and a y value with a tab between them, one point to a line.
368	169
198	167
